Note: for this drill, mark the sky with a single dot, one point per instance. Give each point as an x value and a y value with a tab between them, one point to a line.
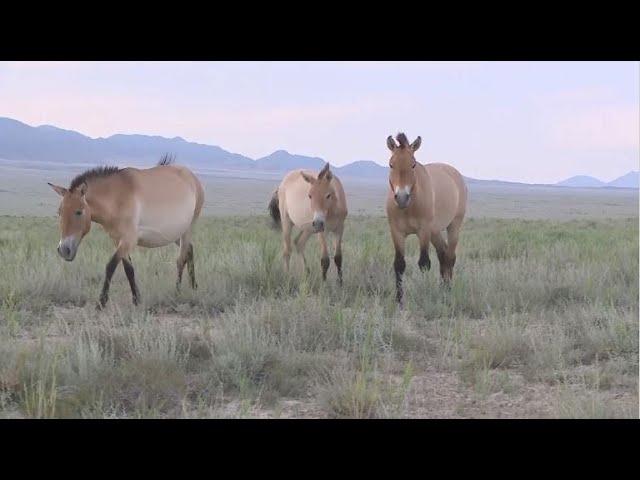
518	121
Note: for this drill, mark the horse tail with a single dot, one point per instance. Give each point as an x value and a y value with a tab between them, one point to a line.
274	210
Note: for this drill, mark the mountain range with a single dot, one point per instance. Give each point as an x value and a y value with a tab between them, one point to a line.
49	145
629	180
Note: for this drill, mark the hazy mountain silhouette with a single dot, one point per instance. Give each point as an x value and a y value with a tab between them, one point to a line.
281	160
19	141
581	181
364	169
46	145
630	180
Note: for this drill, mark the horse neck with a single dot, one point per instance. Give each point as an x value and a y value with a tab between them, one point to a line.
98	201
420	185
335	205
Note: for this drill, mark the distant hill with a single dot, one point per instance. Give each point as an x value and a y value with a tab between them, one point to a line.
19	141
630	180
284	161
363	169
281	160
49	147
497	183
581	181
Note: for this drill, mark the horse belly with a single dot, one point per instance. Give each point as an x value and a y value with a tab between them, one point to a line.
446	200
443	218
159	227
300	217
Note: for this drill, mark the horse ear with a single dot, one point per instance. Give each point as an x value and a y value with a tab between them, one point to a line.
416	144
325	173
83	189
328	175
308	178
391	143
59	190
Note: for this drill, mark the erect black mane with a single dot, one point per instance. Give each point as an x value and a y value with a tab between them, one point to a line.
402	140
97	172
167	159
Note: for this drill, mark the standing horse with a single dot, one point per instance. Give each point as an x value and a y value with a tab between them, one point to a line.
423	200
151	208
314	205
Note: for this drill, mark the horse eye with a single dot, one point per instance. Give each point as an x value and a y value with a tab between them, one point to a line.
413	166
309	195
78	212
390	166
328	195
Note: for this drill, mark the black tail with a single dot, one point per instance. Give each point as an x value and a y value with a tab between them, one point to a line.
167	159
274	210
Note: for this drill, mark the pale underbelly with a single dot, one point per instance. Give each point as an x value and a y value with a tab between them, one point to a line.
162	233
441	222
301	216
411	225
160	225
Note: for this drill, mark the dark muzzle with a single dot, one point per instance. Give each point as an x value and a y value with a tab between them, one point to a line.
318	225
67	250
402	199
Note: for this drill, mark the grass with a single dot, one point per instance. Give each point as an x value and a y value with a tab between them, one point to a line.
542	316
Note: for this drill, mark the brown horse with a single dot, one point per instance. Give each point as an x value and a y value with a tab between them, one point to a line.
314	204
151	208
423	200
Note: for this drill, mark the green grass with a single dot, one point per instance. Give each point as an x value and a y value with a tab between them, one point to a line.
545	305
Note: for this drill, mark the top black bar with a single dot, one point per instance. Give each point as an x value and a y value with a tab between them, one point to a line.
536	35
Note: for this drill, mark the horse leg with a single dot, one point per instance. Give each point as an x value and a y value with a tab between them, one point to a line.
191	267
324	259
441	249
286	240
337	258
128	269
453	231
124	247
424	235
300	243
399	264
185	242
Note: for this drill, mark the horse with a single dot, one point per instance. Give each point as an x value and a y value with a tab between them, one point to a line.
423	200
315	205
147	207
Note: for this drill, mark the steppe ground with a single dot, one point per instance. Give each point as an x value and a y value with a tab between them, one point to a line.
541	319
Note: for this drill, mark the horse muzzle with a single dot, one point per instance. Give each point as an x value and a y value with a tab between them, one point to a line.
318	223
402	199
68	248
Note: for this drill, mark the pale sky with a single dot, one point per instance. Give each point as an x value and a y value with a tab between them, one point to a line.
520	121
